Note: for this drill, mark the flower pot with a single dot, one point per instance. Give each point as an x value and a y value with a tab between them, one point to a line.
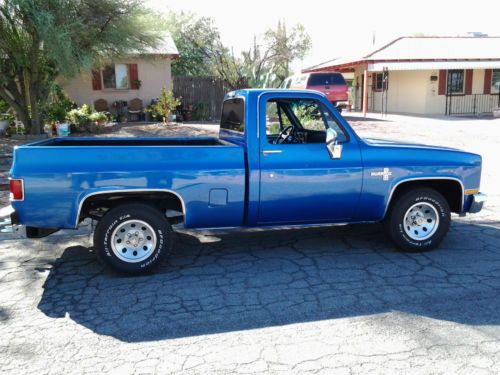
48	130
4	124
63	129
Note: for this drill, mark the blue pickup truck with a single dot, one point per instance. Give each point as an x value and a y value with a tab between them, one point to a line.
282	158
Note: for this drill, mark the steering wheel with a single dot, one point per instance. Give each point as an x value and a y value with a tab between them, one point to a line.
284	134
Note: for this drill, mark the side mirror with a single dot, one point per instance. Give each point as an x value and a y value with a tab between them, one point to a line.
334	149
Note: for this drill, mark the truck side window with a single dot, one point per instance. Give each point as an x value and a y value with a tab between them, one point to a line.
293	121
233	115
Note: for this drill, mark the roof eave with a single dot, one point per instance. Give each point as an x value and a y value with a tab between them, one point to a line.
351	65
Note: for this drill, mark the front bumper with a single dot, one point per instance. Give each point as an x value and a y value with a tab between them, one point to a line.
477	203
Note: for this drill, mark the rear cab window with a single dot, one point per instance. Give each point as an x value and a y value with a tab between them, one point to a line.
233	116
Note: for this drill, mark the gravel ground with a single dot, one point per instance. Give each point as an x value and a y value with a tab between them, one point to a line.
309	301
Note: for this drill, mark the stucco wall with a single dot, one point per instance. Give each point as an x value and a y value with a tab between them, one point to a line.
154	73
478	81
412	92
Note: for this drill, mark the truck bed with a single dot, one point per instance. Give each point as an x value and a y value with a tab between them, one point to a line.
207	174
68	142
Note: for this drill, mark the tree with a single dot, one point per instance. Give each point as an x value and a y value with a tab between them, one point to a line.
44	39
265	65
196	38
202	52
285	47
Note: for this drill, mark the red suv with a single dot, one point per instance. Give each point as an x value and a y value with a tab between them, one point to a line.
332	84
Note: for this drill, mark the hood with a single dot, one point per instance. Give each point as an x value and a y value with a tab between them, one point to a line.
404	144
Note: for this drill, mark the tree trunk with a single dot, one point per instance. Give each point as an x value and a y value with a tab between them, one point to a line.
35	111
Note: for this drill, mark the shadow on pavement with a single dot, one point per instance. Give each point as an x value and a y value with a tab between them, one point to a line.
240	281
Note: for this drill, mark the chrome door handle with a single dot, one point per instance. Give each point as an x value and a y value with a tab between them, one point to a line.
267	152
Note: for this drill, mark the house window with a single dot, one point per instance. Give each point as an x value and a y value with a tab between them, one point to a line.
495	80
455	82
115	77
379	81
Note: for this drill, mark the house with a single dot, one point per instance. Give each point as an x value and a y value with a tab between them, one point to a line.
140	75
425	76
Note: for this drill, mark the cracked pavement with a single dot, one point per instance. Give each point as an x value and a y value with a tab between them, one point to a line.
319	300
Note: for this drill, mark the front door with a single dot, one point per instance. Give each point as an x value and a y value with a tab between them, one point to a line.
299	181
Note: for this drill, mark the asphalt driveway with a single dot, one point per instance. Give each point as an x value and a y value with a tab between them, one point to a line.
338	300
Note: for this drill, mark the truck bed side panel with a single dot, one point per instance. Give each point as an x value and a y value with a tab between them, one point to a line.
58	179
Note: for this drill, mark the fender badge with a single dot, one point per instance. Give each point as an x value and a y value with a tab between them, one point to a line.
386	173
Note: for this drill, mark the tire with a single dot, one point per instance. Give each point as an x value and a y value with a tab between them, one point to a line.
418	220
133	239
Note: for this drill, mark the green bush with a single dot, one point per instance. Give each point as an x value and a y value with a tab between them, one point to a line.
4	107
79	116
98	116
6	117
58	105
165	105
201	111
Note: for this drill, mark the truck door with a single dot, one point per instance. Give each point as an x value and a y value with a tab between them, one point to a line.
300	181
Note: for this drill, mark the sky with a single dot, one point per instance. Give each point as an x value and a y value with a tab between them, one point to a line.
342	29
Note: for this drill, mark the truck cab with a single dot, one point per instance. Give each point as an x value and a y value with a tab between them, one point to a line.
292	175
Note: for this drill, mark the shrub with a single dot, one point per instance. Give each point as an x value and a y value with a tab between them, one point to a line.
4	107
58	105
79	116
164	105
98	117
6	117
201	111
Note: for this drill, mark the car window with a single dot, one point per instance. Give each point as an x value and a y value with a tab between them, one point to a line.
309	114
325	79
307	119
272	119
233	115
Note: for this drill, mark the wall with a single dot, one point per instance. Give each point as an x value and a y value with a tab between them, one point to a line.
412	92
154	73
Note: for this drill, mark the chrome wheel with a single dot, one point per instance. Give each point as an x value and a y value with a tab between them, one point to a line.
133	241
421	221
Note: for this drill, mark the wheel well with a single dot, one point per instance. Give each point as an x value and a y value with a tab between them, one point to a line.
451	190
97	205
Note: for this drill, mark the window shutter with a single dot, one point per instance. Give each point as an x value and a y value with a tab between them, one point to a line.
468	81
487	81
96	80
134	76
374	81
442	82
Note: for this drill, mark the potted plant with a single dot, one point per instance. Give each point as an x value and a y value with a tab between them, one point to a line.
79	117
99	118
165	105
138	83
57	109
